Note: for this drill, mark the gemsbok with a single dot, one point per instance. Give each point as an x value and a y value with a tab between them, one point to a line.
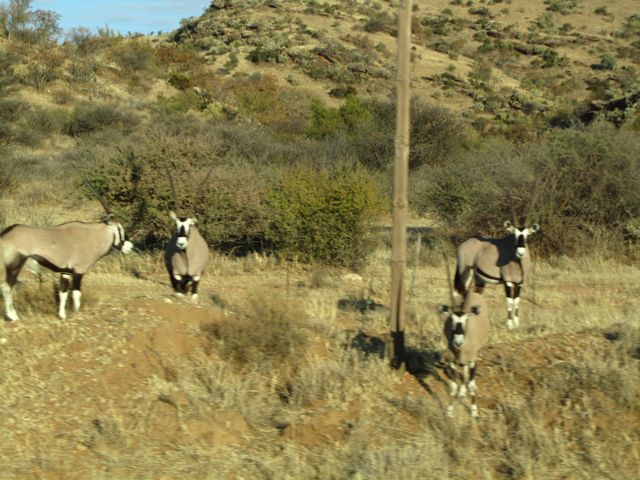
496	260
187	253
466	331
186	256
70	249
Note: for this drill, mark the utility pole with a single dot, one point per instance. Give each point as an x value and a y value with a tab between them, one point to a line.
400	182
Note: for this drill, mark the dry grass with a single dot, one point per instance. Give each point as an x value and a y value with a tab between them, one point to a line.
272	377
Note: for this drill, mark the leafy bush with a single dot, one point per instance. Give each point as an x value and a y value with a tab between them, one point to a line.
268	53
581	184
346	118
91	117
323	216
133	57
561	6
608	62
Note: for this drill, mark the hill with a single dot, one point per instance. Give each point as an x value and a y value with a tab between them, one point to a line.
501	61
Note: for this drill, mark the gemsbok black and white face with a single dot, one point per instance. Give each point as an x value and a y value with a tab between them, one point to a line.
521	235
183	228
459	322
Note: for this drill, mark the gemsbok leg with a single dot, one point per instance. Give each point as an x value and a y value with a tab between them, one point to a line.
455	390
76	293
453	387
194	288
512	293
11	277
473	389
63	293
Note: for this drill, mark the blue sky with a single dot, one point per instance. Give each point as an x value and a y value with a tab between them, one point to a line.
144	16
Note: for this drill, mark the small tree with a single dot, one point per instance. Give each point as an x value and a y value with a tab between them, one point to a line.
15	17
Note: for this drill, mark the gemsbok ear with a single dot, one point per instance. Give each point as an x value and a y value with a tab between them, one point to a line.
507	225
443	308
475	309
173	215
535	228
194	220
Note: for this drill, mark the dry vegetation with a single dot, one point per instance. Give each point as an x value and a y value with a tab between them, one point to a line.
274	375
280	371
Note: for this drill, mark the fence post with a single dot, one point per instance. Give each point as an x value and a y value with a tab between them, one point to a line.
400	181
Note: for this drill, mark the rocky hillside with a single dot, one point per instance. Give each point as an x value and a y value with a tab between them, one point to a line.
508	62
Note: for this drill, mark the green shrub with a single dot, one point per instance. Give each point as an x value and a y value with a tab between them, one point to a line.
133	57
45	120
12	109
268	53
346	118
323	215
134	179
608	62
581	184
182	102
90	117
561	6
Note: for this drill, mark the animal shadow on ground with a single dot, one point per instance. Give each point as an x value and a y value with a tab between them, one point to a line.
362	305
422	363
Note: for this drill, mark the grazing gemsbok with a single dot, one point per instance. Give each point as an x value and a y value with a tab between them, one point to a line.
70	249
186	256
496	260
466	331
187	253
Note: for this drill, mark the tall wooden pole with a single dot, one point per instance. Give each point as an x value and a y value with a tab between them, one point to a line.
400	181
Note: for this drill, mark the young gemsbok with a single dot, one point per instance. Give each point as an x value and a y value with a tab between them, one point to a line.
186	256
70	249
496	260
466	331
187	253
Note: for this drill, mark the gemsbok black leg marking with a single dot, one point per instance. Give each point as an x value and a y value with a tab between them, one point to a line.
473	389
63	293
76	290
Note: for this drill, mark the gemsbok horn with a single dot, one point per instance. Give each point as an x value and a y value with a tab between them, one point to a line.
70	249
496	260
466	331
187	253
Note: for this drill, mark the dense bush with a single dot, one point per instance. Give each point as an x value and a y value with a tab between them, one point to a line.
311	214
324	215
581	184
91	117
436	134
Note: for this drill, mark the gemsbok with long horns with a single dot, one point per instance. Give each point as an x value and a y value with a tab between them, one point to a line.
466	331
70	249
496	260
186	256
187	253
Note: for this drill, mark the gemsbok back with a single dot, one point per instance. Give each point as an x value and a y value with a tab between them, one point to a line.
496	260
70	249
466	331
